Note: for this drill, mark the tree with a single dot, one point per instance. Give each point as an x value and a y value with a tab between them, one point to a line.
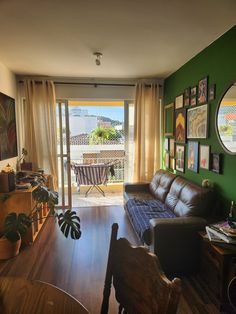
102	135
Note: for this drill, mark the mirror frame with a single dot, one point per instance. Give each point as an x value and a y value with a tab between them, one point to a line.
216	124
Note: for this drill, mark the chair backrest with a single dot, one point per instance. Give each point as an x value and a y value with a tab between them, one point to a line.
139	282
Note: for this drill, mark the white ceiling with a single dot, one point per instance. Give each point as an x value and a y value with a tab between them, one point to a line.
138	38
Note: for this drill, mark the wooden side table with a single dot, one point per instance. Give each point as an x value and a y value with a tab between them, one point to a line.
218	267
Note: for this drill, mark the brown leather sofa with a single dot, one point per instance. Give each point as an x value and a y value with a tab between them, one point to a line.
167	215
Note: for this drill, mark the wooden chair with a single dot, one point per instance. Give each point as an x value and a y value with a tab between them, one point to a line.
140	285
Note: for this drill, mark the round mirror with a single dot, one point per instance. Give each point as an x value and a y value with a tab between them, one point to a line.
226	120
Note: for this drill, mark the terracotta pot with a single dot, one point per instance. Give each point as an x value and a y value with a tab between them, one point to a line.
9	249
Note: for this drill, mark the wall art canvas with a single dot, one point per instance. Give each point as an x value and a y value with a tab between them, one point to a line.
204	156
193	156
169	120
180	157
179	101
172	147
216	163
180	126
212	92
167	160
8	138
197	122
202	91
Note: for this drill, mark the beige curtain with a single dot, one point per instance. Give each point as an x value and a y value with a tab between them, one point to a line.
146	131
39	114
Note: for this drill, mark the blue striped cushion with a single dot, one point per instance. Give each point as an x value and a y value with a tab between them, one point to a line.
140	213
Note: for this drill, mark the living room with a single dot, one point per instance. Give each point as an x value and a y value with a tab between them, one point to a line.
205	56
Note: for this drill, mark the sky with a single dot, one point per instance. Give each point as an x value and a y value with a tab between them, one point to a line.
115	113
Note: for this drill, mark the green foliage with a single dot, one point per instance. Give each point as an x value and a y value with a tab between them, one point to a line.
69	222
102	135
226	129
16	226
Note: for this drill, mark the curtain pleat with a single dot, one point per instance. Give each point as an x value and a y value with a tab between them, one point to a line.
146	132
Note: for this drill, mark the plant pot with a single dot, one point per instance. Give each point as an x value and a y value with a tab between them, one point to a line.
9	249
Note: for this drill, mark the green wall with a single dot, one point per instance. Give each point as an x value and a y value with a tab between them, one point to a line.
218	62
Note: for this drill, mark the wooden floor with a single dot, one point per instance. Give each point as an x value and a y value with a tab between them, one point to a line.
78	266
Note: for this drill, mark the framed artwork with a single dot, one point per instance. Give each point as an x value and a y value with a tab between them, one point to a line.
202	91
166	144
197	122
172	163
193	156
167	160
172	147
193	91
187	97
180	157
193	100
216	163
204	157
212	92
180	125
169	120
8	136
179	101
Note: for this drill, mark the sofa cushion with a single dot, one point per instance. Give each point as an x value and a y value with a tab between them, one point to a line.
160	184
140	213
188	199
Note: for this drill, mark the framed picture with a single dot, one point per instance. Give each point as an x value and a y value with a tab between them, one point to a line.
204	157
202	91
172	147
180	157
212	92
167	160
197	122
179	101
169	120
180	125
193	91
193	156
172	163
166	144
216	163
193	101
187	97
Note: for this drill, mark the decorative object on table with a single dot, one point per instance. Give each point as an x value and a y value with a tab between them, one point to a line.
206	183
180	125
197	122
169	120
172	147
204	156
202	90
216	163
7	179
166	143
193	156
167	160
180	157
8	142
179	101
212	92
187	97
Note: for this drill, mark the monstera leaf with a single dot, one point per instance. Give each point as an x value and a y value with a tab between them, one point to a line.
16	225
69	223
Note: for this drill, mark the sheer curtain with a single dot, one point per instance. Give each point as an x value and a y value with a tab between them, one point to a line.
39	132
146	131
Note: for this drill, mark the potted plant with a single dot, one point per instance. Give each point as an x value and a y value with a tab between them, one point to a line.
16	225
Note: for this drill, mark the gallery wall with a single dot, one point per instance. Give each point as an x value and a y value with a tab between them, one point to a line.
8	87
218	63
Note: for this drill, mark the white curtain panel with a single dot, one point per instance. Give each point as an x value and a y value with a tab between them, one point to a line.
40	132
147	131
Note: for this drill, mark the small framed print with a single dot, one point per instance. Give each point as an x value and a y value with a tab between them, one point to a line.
166	144
169	120
193	91
180	157
172	163
167	160
179	101
193	101
193	156
216	163
212	92
187	97
172	147
204	157
202	91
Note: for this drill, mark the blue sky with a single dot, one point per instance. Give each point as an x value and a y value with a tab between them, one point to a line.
115	113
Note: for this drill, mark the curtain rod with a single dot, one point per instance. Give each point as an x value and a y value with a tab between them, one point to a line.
94	84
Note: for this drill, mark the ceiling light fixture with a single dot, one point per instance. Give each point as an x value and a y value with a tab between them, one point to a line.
98	57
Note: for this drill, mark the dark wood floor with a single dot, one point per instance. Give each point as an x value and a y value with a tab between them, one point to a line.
79	266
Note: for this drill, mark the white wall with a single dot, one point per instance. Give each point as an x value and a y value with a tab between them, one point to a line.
8	87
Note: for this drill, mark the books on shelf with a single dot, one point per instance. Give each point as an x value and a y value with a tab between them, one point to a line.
221	232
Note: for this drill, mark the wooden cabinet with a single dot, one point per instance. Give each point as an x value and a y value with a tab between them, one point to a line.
21	201
218	267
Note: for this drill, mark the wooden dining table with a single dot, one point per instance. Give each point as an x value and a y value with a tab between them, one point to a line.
23	296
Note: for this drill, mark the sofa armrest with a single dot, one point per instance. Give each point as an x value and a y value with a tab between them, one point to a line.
177	244
136	187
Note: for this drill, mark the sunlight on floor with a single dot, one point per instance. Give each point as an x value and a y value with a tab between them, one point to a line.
96	199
